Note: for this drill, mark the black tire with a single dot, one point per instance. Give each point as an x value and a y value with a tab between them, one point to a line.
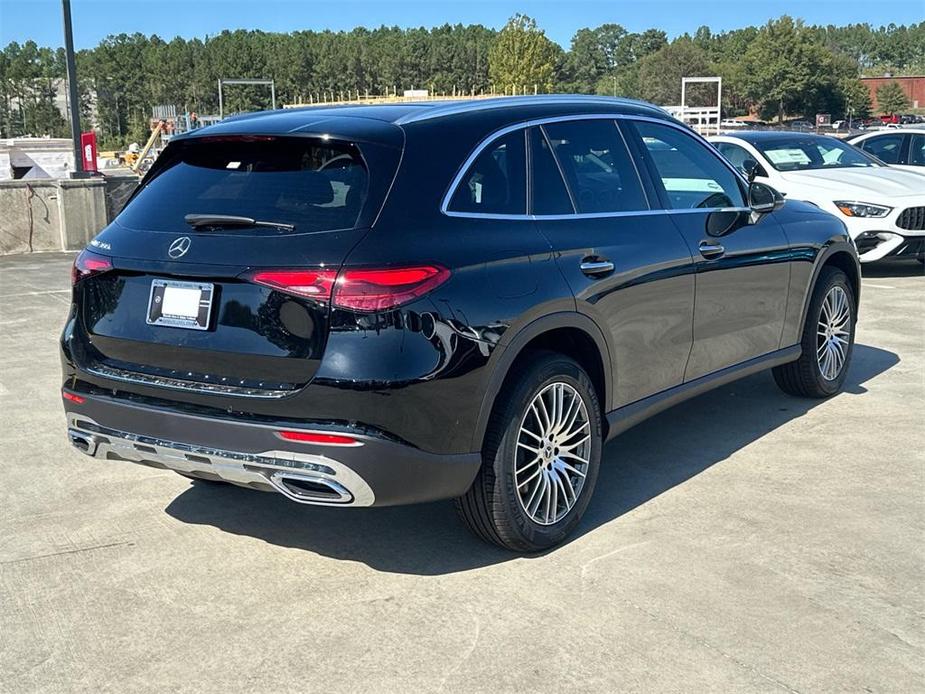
491	508
804	377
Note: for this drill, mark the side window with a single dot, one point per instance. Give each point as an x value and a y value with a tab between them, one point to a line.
917	150
548	192
887	148
596	166
496	182
737	156
692	175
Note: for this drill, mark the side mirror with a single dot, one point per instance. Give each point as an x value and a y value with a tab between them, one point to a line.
763	198
752	169
725	221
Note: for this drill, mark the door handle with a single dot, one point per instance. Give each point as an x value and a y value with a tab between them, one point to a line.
711	249
596	268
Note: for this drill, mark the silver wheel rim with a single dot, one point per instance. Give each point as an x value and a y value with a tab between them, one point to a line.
833	333
553	454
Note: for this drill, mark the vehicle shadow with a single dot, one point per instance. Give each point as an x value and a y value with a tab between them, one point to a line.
427	539
893	267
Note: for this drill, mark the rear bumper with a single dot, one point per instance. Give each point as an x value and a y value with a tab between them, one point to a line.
373	472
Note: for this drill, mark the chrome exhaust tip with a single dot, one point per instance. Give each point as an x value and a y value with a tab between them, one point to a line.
83	442
307	489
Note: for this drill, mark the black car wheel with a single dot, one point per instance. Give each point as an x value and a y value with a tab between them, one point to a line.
540	458
828	340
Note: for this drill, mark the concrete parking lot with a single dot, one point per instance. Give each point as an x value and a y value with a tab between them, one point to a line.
745	540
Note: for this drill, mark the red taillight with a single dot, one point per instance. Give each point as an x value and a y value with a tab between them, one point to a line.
315	284
381	290
87	264
318	437
358	289
73	397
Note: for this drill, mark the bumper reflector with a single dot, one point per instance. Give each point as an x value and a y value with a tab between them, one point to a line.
319	438
73	397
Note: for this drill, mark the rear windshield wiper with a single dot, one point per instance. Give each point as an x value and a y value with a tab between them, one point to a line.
230	220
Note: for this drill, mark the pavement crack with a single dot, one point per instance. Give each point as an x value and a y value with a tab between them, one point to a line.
465	656
706	644
66	551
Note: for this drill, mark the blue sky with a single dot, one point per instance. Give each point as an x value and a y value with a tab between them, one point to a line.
40	20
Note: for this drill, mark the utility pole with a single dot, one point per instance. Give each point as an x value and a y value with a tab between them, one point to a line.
72	88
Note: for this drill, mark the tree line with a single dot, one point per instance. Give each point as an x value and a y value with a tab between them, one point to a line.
783	67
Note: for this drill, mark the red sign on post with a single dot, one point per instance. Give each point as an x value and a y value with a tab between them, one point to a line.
88	150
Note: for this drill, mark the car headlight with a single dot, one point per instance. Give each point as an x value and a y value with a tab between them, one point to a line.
862	209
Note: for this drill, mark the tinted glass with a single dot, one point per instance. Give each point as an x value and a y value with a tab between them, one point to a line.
917	150
496	182
693	176
549	193
290	180
886	148
737	156
597	166
803	153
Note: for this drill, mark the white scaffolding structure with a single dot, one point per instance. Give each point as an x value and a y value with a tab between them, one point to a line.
704	119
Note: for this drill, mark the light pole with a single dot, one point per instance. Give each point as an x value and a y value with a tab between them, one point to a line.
72	88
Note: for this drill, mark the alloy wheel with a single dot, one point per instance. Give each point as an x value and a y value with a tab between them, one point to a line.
553	453
833	333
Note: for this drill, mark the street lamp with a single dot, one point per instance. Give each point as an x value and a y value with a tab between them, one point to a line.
72	88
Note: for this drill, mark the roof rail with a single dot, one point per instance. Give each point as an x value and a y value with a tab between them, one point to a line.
468	106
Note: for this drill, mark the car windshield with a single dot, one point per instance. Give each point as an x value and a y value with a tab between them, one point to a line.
807	153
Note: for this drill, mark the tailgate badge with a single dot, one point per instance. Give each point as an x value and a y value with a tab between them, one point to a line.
179	247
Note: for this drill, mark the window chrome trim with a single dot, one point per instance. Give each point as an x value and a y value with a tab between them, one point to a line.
538	122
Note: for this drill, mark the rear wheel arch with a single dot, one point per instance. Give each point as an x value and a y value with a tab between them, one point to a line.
572	334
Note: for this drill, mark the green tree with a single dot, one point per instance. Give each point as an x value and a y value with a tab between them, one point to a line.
891	98
786	69
522	56
856	102
660	73
595	53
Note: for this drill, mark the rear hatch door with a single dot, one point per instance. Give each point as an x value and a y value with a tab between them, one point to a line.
181	307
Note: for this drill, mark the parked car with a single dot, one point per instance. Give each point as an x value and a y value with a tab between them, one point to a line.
379	305
882	206
803	125
904	149
733	123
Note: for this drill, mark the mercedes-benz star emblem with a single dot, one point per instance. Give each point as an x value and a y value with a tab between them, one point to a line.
179	247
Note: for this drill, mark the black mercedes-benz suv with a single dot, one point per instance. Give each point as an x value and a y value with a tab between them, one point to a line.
377	305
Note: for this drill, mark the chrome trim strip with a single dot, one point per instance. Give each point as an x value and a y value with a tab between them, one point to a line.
187	386
488	140
263	470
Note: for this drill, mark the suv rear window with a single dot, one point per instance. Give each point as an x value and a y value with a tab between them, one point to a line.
311	185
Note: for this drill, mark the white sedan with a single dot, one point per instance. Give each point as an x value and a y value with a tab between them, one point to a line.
883	207
903	148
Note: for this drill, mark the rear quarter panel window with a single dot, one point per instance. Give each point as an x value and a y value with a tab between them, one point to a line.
496	182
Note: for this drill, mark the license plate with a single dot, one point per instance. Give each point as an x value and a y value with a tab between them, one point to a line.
180	304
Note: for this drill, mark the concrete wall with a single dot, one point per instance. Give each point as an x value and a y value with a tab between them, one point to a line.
57	215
